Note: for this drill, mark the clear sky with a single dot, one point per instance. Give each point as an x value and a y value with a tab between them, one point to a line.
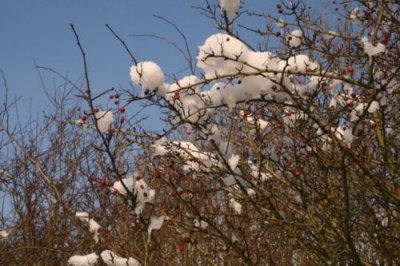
39	30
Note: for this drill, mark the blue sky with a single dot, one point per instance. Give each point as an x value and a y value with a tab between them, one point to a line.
39	30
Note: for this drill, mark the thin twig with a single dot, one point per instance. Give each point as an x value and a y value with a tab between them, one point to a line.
123	43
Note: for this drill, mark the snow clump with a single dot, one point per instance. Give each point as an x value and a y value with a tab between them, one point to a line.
294	38
231	7
148	75
221	54
112	259
155	224
104	120
372	50
86	260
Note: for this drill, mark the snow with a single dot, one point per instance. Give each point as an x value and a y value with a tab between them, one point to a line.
250	192
355	14
256	173
86	260
143	194
233	161
231	7
93	225
257	60
83	216
155	224
294	38
221	55
148	75
281	23
345	135
188	103
373	107
104	120
236	206
118	186
260	123
371	49
83	124
94	228
112	259
200	224
3	233
214	95
357	112
300	63
139	187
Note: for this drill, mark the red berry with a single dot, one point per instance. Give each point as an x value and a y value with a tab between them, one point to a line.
103	182
188	133
166	210
141	187
387	34
122	110
181	248
297	173
122	120
350	69
372	123
157	174
116	95
96	110
138	177
279	125
185	239
111	97
279	6
350	104
177	95
116	102
83	118
280	11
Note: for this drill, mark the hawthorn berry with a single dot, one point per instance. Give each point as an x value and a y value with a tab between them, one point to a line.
350	104
83	118
185	239
103	182
350	69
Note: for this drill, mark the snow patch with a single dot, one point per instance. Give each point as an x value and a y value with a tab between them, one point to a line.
148	75
231	7
104	120
155	224
85	260
112	259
